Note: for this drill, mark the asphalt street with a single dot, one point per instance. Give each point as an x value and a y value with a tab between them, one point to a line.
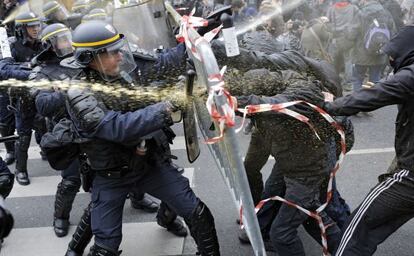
32	206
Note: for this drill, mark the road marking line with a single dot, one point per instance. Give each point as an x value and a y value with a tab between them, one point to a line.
47	185
370	151
146	237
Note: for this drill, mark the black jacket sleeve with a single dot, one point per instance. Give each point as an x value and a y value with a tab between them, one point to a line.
49	102
393	90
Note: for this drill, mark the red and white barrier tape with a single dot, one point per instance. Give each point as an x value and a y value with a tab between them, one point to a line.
194	22
225	116
281	108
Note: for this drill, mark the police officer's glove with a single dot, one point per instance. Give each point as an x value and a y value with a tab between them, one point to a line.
169	108
177	101
32	76
34	72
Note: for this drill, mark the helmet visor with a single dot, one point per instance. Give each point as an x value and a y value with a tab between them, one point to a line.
62	44
60	14
115	61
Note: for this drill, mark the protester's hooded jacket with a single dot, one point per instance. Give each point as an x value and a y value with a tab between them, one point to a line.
397	89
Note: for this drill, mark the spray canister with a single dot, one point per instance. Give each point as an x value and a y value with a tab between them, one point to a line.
4	44
141	149
229	35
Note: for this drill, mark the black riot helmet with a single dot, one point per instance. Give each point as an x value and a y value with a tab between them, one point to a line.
55	12
96	14
99	46
58	38
81	6
27	20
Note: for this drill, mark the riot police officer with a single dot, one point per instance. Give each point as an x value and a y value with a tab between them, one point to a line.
57	40
96	14
81	6
116	135
27	32
27	45
57	13
23	49
10	69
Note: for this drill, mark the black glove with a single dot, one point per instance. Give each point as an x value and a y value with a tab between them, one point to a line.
214	20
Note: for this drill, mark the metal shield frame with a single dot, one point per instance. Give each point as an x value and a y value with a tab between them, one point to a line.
226	152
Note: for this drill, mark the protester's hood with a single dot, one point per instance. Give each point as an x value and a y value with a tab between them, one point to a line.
401	49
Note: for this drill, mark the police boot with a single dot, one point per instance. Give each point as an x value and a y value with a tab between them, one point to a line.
22	146
6	183
167	218
10	152
82	236
203	231
97	250
143	202
65	195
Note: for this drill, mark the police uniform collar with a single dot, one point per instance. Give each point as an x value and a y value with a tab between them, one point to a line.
26	42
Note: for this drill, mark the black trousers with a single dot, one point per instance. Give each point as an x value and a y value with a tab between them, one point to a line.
387	207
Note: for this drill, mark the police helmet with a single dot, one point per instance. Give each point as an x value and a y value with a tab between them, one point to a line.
24	20
97	44
81	6
95	14
58	38
55	12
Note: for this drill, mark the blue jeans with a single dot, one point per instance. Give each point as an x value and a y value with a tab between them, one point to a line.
359	72
279	221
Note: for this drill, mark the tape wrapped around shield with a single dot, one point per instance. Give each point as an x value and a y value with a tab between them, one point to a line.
226	152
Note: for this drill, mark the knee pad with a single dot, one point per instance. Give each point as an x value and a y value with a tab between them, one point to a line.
23	143
71	184
203	230
83	233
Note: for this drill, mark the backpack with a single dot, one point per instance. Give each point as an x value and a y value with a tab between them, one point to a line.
377	35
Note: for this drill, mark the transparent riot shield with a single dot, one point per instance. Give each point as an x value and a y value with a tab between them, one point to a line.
226	152
4	44
145	25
